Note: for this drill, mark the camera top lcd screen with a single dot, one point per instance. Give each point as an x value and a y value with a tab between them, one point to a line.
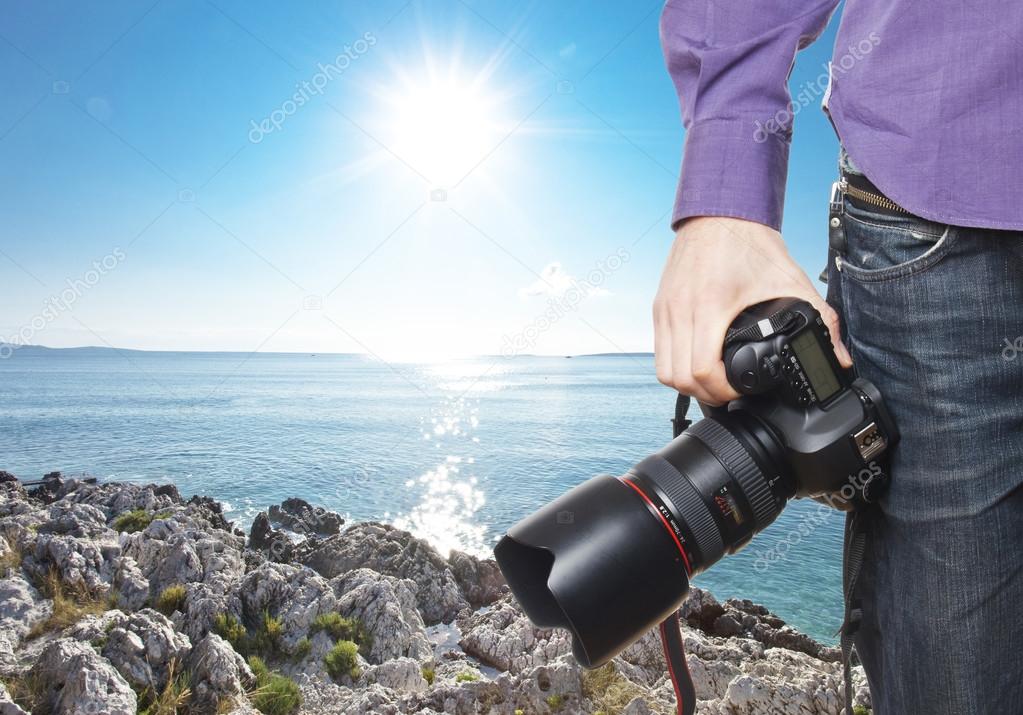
816	366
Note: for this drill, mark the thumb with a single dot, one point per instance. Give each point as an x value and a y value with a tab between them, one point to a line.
830	317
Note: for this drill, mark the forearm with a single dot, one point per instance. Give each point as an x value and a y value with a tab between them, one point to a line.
730	62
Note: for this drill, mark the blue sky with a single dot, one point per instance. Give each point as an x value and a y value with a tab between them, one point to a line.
382	177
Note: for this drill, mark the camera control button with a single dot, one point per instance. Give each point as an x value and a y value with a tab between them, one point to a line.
748	379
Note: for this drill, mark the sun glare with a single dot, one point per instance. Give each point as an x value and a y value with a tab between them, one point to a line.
444	128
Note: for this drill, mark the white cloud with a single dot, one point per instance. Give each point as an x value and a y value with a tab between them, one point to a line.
555	281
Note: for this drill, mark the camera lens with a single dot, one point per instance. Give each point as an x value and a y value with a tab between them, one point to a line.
613	557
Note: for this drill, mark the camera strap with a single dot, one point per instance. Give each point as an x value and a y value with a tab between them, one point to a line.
852	561
678	669
778	321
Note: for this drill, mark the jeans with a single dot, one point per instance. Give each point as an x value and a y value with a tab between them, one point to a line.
933	315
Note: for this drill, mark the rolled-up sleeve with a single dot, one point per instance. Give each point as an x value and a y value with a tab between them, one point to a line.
730	61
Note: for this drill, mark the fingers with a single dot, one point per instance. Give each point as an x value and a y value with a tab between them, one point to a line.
708	369
662	345
830	317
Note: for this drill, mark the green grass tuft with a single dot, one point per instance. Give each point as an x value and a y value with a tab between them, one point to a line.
302	650
343	660
861	710
230	629
171	599
466	676
555	702
275	694
137	520
429	674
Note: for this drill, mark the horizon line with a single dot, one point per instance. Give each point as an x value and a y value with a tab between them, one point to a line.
15	347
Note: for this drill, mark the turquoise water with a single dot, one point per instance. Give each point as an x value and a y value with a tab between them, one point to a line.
455	452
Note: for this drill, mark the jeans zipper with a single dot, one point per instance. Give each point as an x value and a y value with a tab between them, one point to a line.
867	197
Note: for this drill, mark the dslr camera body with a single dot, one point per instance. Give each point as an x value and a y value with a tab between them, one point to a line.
621	564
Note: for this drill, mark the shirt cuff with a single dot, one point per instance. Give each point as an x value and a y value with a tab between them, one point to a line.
732	167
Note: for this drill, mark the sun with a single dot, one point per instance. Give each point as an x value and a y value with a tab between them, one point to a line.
445	127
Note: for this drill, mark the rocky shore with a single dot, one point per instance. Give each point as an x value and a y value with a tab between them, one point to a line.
124	598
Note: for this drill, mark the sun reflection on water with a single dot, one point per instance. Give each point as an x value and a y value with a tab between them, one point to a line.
449	497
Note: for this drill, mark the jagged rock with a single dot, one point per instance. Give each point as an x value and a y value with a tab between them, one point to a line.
392	552
402	674
294	594
751	620
261	534
93	629
7	476
301	517
187	547
504	638
203	603
217	673
21	607
386	606
700	609
130	584
83	564
319	698
146	650
214	511
743	658
481	580
78	681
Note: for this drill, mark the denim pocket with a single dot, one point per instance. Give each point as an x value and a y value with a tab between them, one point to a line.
884	246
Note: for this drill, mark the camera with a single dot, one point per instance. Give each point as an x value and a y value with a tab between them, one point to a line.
803	426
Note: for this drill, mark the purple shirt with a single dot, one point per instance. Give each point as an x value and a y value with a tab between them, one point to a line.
926	97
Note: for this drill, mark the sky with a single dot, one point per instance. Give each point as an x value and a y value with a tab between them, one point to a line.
413	180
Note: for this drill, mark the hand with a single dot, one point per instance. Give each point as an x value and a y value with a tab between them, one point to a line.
717	267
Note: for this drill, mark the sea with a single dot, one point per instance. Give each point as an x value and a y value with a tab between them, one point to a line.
455	452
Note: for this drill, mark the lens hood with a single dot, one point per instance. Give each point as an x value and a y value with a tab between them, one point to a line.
598	561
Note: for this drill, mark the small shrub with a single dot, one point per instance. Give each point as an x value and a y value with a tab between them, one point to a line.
275	694
520	711
28	691
172	700
10	562
555	702
171	599
339	627
302	649
227	627
861	710
132	521
466	676
429	674
267	639
69	604
608	690
342	660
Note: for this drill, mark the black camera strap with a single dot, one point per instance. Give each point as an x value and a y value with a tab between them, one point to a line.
678	669
852	561
778	321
